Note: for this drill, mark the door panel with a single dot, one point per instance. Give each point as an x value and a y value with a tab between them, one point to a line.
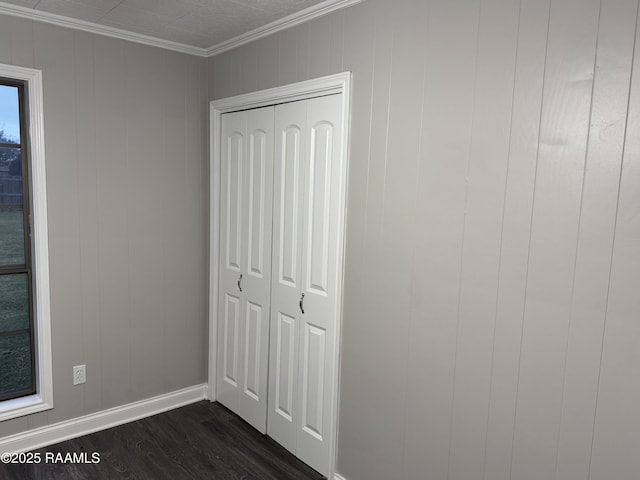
285	366
318	212
319	273
313	381
291	203
233	136
245	277
258	201
231	331
283	415
233	198
252	351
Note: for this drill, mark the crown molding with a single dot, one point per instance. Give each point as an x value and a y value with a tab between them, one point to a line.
31	14
292	20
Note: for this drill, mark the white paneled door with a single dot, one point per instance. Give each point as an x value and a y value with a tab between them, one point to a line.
286	289
278	300
304	304
245	270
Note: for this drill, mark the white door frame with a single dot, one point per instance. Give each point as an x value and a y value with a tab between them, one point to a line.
339	83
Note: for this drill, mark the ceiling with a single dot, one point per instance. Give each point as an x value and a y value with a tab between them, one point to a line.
202	24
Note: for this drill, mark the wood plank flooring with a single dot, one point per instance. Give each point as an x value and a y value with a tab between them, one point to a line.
199	441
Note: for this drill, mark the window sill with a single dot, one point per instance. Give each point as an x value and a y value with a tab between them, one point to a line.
19	407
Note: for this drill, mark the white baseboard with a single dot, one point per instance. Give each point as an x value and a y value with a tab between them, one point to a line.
77	427
337	476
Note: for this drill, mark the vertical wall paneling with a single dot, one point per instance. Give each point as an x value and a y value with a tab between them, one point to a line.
176	275
486	181
336	42
248	68
146	167
597	221
212	80
358	58
287	58
113	252
22	51
319	47
617	423
201	125
446	135
268	64
399	209
516	228
85	140
223	75
195	296
563	140
56	55
5	39
371	400
302	52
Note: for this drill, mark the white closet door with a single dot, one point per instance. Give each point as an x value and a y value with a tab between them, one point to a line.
304	298
256	282
290	131
319	276
245	273
233	139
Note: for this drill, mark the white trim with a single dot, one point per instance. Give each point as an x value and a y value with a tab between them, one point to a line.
43	399
292	20
214	228
342	234
77	427
337	476
68	22
289	21
339	83
288	93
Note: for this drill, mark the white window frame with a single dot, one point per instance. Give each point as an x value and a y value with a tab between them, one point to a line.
43	398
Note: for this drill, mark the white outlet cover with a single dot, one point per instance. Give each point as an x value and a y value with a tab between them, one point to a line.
79	374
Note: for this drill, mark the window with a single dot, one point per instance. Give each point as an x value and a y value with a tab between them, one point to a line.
17	372
25	339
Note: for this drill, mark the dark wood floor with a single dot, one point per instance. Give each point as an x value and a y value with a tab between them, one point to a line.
199	441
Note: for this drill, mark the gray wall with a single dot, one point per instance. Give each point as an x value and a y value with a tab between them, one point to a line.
492	306
125	129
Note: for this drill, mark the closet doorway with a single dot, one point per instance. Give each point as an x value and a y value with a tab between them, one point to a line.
278	183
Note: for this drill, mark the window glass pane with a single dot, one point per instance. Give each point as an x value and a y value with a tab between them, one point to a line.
15	364
14	302
17	377
11	167
9	115
11	236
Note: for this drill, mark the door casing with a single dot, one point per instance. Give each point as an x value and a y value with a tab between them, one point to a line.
332	84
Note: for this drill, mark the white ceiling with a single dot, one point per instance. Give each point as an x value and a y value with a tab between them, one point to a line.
196	23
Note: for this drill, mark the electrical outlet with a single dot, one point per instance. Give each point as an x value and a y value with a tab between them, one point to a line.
79	374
